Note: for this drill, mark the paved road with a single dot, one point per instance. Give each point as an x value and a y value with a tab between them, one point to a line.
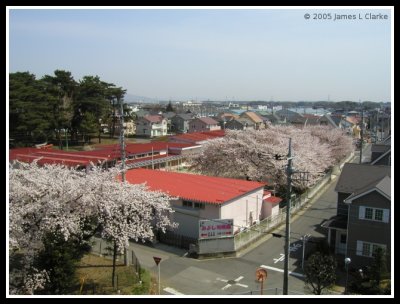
237	275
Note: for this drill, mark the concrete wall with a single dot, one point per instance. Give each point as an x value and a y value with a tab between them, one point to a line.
210	246
239	209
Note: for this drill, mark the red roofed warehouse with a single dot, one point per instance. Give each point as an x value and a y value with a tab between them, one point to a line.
202	197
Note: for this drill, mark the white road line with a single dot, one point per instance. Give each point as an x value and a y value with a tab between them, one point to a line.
239	278
222	280
226	286
245	286
173	291
281	270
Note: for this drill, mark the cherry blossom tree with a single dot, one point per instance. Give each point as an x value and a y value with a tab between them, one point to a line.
250	154
77	204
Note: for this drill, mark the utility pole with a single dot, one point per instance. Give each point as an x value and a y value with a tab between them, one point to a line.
122	140
361	133
287	239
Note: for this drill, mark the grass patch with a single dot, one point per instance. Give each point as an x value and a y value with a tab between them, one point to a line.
94	277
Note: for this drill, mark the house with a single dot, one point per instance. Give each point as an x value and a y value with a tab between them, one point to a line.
129	128
168	116
199	197
222	118
256	120
203	124
333	120
273	118
363	219
380	154
288	115
180	122
151	126
240	124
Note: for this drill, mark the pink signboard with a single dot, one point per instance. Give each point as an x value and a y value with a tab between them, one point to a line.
214	229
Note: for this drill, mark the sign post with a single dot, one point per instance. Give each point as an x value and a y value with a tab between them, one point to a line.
158	260
261	276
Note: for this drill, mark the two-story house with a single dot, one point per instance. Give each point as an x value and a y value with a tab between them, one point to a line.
151	126
363	219
203	124
180	122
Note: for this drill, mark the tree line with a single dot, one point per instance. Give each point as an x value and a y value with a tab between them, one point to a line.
56	106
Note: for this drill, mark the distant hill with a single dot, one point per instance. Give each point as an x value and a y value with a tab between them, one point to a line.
136	98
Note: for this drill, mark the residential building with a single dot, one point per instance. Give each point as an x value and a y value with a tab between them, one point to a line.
240	124
180	122
257	120
363	217
168	116
203	124
381	154
151	126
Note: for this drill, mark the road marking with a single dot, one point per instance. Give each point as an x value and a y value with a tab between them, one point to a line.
226	286
229	285
242	285
172	291
279	259
281	270
291	249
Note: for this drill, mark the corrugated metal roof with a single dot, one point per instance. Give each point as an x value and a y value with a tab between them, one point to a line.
209	189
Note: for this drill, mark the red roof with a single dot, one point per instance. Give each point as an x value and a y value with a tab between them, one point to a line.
48	156
153	118
200	188
273	199
102	153
198	136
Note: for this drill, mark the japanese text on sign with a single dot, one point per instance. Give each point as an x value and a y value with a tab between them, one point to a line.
212	229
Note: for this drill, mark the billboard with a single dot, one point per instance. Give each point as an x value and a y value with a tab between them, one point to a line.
215	229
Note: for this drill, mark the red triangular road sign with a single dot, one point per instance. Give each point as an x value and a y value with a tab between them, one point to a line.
157	260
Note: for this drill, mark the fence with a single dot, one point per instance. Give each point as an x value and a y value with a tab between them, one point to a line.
256	231
174	239
104	248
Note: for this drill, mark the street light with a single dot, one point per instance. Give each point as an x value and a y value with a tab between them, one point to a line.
347	261
304	239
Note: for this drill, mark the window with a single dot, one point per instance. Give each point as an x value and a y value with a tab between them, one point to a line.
367	249
368	213
199	205
343	238
374	214
187	204
378	214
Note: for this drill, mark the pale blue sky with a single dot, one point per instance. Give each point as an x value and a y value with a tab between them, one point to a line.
210	54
